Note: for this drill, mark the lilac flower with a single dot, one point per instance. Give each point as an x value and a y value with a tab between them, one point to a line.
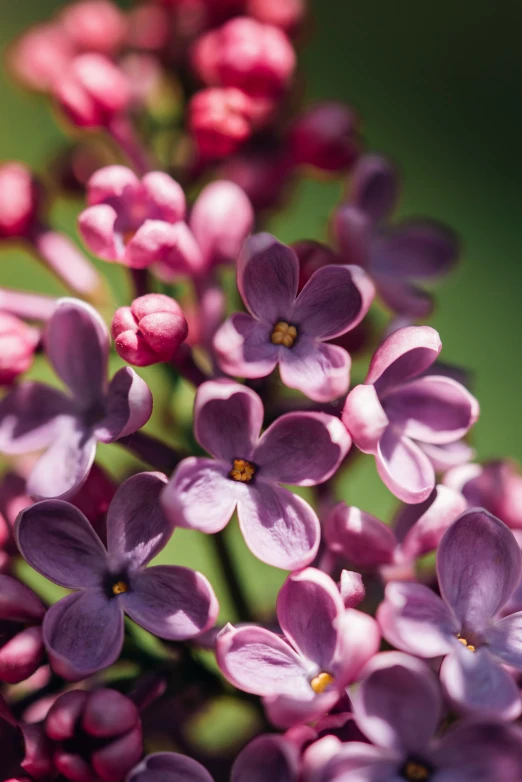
397	257
397	415
479	566
495	486
303	674
83	632
21	647
267	757
289	331
301	448
399	708
34	416
169	767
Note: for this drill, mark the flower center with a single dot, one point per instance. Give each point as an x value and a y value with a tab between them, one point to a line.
119	588
320	682
242	471
464	642
415	772
284	334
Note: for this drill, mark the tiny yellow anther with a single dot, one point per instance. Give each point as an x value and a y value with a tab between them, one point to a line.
284	334
416	772
119	588
320	682
242	471
464	642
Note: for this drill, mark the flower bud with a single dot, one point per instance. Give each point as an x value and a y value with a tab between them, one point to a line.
21	646
40	56
17	345
286	14
263	174
312	256
220	120
150	330
94	26
19	200
324	137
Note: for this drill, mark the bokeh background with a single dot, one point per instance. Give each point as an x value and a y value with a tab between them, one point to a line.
439	88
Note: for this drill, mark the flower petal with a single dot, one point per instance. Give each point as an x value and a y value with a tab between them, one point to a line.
284	711
96	226
473	750
403	298
364	417
137	528
398	705
164	196
308	606
448	455
359	537
227	419
56	539
117	185
334	300
200	495
353	230
156	240
321	371
404	468
243	347
77	345
267	757
171	602
83	633
359	641
279	527
260	662
129	406
403	355
21	655
18	602
415	250
267	277
479	566
169	767
476	683
416	620
359	762
302	448
504	640
374	186
421	527
29	417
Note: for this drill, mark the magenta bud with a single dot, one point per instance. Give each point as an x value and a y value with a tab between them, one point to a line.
40	56
19	200
286	14
109	713
312	256
352	588
21	647
94	26
324	136
17	345
150	330
220	120
64	714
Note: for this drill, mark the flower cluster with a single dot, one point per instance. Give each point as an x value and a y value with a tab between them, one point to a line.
394	650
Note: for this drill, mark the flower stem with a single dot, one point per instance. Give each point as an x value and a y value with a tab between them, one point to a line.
122	132
243	610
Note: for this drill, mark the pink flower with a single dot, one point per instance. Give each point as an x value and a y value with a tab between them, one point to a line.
17	345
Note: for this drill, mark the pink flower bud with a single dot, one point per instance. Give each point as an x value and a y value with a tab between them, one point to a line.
17	344
262	173
286	14
94	26
150	330
220	120
257	58
93	91
19	200
324	137
40	56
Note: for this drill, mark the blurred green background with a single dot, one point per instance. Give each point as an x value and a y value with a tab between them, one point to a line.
439	88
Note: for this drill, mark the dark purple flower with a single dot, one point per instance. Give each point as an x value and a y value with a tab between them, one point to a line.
96	735
169	767
399	257
289	329
302	674
478	565
398	414
299	448
21	646
34	416
83	632
399	708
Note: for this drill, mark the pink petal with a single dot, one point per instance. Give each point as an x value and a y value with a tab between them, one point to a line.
404	468
403	355
359	537
428	527
111	184
96	226
165	197
321	371
364	417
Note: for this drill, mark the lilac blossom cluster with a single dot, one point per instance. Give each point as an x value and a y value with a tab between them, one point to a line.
394	651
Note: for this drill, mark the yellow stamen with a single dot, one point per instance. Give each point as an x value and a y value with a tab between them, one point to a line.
320	682
119	588
416	772
464	642
284	334
242	471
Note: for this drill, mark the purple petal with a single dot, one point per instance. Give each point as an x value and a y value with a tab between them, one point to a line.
403	298
77	344
404	467
334	300
29	417
227	419
353	230
63	468
137	528
283	711
374	186
200	495
432	409
359	537
416	620
83	633
403	355
398	705
473	751
302	448
321	371
504	640
308	607
18	603
427	527
279	527
359	640
129	406
476	683
243	347
56	539
171	602
416	250
169	767
364	417
267	757
267	277
448	455
361	763
479	566
260	662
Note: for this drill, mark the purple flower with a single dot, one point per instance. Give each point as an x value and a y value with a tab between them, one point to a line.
34	416
478	566
399	708
303	674
169	767
399	414
299	448
21	647
495	486
83	632
397	258
289	329
267	757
